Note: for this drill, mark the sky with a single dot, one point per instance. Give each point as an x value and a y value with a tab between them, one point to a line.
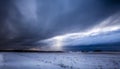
55	24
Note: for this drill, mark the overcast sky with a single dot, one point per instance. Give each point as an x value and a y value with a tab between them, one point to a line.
26	22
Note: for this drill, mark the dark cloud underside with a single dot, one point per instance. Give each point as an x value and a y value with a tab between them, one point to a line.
23	22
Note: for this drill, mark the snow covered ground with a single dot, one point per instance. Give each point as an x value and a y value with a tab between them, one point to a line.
1	61
73	60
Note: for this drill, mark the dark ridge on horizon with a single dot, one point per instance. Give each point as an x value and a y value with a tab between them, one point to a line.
31	51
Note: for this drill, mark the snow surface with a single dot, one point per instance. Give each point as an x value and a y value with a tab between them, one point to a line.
73	60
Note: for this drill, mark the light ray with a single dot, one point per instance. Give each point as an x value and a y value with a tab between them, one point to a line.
58	41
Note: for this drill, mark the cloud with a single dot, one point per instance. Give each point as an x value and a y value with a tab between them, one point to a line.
26	22
104	32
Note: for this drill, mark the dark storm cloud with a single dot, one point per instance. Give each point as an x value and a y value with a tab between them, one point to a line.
78	14
22	22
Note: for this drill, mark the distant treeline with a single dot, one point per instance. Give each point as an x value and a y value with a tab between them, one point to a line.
31	51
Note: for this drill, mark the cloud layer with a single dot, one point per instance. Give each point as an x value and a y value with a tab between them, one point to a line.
25	23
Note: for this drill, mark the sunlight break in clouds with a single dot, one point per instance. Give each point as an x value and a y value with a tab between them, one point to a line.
102	28
59	41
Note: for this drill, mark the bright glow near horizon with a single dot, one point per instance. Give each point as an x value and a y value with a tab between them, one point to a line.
58	41
102	28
